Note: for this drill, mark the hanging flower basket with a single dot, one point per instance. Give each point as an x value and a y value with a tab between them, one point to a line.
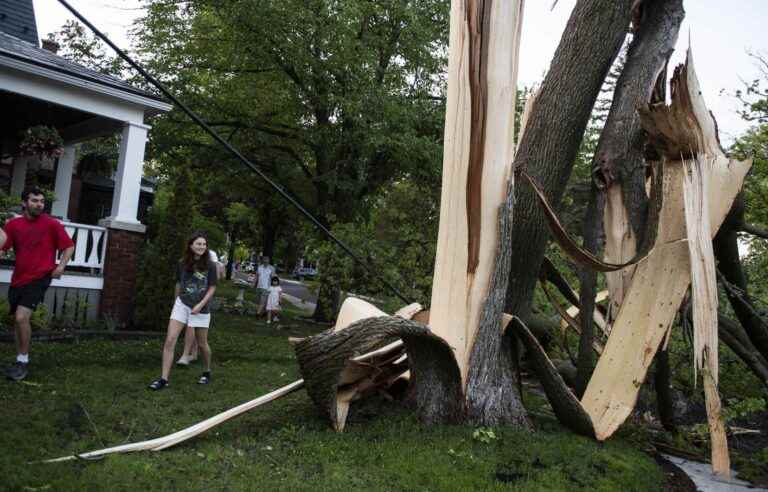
41	141
96	164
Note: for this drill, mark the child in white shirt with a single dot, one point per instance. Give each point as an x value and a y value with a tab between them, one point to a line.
273	299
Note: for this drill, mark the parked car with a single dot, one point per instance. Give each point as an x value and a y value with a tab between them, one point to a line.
304	272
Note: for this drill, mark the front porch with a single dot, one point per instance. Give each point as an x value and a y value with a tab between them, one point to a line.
101	212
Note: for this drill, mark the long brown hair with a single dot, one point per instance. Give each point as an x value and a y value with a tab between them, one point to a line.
192	264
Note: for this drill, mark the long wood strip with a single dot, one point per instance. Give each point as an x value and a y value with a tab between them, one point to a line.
184	434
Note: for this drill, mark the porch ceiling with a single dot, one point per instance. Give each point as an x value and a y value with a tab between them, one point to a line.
73	125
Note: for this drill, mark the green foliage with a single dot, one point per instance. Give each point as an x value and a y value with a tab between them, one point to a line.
484	435
98	157
39	319
398	240
79	45
8	204
41	141
160	255
346	104
736	408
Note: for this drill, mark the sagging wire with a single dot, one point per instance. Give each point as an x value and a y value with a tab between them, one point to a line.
149	78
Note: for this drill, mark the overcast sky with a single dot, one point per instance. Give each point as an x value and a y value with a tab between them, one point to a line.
721	33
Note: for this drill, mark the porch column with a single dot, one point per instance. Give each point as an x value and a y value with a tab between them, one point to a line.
19	176
130	165
126	233
64	171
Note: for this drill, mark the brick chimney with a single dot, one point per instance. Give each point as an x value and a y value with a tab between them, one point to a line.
51	45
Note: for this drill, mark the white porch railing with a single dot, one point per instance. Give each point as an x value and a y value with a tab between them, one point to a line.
90	251
90	246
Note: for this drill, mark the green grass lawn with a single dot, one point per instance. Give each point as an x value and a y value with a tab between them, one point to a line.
89	395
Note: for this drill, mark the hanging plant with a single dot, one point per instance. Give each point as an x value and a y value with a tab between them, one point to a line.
41	141
96	164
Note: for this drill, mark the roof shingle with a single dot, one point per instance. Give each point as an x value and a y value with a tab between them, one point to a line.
17	18
16	48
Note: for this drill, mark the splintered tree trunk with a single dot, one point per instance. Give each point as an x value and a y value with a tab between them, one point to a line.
619	164
548	147
479	125
619	157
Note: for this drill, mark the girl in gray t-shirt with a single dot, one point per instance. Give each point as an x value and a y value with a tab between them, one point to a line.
196	278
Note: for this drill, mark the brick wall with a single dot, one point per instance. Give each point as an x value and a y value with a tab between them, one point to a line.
120	271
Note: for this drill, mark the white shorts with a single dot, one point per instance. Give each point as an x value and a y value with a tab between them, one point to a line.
183	314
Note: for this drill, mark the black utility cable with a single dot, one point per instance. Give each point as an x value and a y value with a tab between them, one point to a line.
367	266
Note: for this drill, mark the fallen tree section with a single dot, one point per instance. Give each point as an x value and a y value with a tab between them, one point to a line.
333	378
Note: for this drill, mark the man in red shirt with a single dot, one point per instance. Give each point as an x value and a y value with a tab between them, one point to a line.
35	238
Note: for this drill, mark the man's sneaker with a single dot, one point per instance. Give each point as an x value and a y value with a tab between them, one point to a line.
183	360
17	371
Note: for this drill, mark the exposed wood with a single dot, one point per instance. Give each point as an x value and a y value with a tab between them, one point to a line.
721	462
703	276
325	361
618	161
164	442
660	281
358	374
598	317
620	246
478	151
354	309
704	296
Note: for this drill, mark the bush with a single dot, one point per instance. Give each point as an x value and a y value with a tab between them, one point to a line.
170	225
39	320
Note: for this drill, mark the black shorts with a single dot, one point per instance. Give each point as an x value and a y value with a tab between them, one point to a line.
28	295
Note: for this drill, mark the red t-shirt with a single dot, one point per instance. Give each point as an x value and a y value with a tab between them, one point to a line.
35	243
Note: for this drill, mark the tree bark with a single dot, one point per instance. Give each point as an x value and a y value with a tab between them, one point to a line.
550	142
729	330
619	158
471	264
435	379
587	290
661	382
231	254
493	395
729	263
619	153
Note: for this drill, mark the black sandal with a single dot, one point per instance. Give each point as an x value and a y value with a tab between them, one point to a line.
158	384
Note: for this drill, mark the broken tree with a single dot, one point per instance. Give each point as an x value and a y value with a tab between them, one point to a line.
458	361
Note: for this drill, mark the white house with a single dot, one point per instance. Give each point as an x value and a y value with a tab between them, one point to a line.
37	87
